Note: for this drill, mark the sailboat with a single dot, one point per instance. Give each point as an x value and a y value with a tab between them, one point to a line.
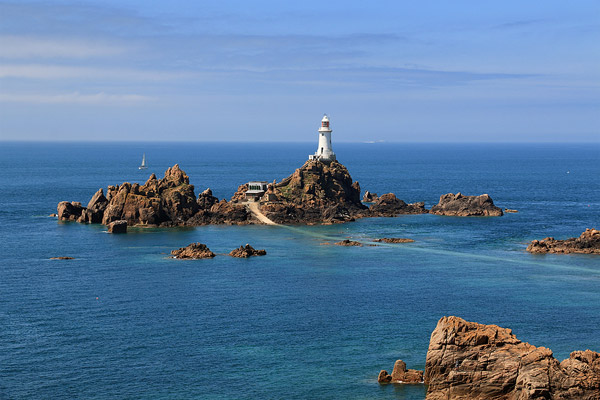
143	166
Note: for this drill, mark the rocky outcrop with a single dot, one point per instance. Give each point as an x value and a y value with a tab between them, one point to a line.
369	197
247	251
388	205
587	243
316	192
119	226
394	240
458	205
193	251
400	374
69	211
467	360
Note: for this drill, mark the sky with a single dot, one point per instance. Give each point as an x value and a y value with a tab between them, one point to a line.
393	71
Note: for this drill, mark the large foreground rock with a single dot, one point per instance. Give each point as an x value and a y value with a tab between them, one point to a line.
467	360
458	205
193	251
588	243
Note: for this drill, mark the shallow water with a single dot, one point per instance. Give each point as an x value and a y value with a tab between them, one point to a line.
306	321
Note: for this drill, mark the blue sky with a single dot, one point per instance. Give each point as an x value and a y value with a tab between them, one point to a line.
459	71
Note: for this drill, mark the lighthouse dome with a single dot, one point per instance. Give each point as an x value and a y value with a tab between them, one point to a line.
325	118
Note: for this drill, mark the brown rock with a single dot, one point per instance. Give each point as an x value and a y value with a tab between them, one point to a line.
458	205
467	360
402	375
69	211
206	200
247	251
53	215
588	243
119	226
347	242
394	240
384	377
510	210
388	205
369	197
62	258
193	251
96	207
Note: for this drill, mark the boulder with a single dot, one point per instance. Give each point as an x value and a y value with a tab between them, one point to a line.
587	243
69	211
388	205
394	240
119	226
458	205
193	251
402	375
96	207
384	377
247	251
467	360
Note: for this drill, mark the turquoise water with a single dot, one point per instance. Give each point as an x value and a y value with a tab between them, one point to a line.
306	321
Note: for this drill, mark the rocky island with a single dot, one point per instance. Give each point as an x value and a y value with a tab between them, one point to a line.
458	205
467	360
587	243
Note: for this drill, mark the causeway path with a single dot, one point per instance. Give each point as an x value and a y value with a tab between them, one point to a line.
253	207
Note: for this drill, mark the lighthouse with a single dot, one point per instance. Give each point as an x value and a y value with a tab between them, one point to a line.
324	151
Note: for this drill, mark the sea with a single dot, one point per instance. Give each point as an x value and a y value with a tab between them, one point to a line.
307	321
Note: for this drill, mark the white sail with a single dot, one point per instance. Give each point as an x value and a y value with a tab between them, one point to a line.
143	166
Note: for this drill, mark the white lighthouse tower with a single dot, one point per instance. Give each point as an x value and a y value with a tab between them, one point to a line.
324	151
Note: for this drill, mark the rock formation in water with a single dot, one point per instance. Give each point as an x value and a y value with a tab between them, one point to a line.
588	243
247	251
119	226
347	242
388	205
316	192
458	205
193	251
467	360
369	197
400	374
394	240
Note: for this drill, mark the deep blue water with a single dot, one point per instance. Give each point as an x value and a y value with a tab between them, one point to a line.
306	321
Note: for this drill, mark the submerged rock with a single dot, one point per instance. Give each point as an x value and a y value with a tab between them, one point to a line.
587	243
394	240
347	242
193	251
62	258
247	251
467	360
458	205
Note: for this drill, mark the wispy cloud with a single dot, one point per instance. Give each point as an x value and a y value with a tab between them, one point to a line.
20	47
51	71
76	98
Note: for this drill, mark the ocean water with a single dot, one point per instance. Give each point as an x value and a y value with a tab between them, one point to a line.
307	321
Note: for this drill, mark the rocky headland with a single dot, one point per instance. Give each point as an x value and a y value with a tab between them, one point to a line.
193	251
458	205
467	360
317	193
587	243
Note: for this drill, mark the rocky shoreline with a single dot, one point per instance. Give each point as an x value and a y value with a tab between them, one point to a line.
316	193
467	360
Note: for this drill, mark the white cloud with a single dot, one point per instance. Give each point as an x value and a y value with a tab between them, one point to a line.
76	98
20	47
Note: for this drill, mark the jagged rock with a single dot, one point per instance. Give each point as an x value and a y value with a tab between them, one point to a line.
96	207
466	206
384	377
588	243
206	200
119	226
347	242
193	251
316	192
69	211
467	360
394	240
369	197
247	251
388	205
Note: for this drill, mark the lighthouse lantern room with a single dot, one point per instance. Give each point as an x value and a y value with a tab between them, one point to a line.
324	151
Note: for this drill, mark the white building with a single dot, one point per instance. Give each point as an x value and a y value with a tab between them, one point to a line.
324	151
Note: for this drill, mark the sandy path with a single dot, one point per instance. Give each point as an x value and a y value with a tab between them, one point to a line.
253	207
